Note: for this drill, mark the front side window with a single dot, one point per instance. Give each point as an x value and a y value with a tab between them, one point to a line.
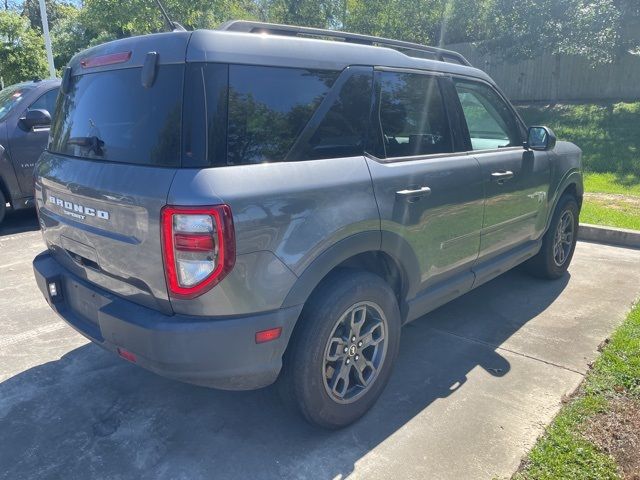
490	122
413	115
268	107
46	102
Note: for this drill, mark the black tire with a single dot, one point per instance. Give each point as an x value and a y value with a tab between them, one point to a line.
546	264
3	207
307	375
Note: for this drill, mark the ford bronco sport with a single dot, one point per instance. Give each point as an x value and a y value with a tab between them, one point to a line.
263	202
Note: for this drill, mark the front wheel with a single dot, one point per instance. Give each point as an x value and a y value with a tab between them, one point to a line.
342	355
559	243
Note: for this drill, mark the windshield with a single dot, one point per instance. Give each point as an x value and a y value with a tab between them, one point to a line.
111	116
10	97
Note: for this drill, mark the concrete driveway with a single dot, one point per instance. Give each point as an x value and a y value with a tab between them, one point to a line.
475	384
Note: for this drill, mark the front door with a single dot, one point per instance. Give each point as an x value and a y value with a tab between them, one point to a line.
429	193
516	181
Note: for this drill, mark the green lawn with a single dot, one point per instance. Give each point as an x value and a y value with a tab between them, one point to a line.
609	135
609	200
565	452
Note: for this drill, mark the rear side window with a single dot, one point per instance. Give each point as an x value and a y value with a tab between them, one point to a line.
413	115
111	116
268	108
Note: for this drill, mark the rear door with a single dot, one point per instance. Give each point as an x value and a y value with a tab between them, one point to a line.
515	181
27	144
113	154
429	193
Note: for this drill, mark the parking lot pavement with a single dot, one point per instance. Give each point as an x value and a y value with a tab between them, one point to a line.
475	383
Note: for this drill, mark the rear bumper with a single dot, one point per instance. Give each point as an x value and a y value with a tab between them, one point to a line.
215	352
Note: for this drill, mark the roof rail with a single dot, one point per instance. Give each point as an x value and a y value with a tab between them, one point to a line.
434	53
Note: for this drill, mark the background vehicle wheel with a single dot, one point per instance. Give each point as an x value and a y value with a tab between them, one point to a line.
342	354
3	207
559	243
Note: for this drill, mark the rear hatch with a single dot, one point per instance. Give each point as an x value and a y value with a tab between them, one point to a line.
114	149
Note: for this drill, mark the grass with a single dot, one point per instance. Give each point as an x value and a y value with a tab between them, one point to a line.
611	183
564	452
610	212
609	135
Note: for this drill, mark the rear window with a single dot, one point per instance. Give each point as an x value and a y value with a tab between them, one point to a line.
111	116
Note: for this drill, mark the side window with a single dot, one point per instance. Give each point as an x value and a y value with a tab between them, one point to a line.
413	115
340	122
490	122
46	102
268	108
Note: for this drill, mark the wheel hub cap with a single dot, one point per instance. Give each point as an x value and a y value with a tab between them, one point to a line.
563	238
355	352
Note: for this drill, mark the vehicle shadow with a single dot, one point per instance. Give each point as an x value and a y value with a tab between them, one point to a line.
91	415
19	221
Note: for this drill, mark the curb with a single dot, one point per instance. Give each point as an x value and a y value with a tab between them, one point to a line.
609	235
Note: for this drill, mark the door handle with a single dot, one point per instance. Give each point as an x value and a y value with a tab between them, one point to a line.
413	195
501	177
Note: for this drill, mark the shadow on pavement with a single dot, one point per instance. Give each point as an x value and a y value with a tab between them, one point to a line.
19	221
91	415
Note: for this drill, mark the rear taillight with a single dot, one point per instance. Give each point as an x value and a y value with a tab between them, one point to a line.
199	248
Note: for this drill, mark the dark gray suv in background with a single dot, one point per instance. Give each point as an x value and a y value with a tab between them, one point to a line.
25	117
266	202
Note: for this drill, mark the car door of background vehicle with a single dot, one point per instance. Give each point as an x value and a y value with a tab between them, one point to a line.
516	181
429	193
26	145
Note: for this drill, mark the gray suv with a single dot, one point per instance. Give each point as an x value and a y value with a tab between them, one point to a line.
259	203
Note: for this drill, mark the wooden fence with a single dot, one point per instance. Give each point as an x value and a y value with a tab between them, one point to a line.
557	78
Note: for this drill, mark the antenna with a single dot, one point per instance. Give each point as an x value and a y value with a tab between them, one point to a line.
173	26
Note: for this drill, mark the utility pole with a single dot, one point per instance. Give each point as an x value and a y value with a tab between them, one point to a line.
47	38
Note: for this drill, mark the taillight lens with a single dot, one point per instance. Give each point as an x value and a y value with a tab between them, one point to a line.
199	248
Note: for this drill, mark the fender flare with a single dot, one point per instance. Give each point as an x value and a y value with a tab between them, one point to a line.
369	241
572	177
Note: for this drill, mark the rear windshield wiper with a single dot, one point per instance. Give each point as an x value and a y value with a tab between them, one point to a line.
93	144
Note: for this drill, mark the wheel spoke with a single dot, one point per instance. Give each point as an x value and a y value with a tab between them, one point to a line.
336	349
358	316
364	371
373	336
340	382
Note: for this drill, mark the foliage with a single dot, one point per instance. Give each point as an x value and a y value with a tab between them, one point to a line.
597	29
21	49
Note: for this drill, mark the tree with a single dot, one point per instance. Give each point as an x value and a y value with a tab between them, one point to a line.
68	36
599	30
22	54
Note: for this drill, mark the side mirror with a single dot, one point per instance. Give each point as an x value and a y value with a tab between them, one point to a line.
541	138
36	118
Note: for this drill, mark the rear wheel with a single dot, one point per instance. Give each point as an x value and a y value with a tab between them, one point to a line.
3	206
559	243
342	355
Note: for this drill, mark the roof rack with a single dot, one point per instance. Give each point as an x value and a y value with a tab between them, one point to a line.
408	48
